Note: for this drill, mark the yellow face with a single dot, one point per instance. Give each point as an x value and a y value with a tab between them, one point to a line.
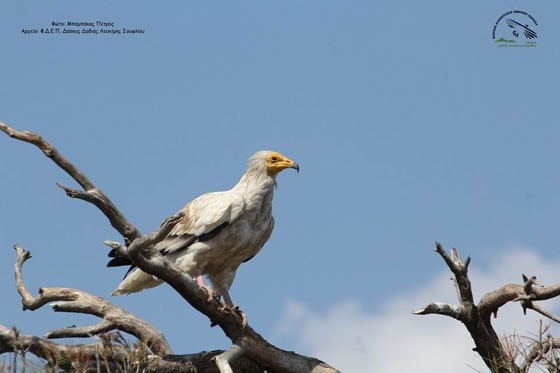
276	162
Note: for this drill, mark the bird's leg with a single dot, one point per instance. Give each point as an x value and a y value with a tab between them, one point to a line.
229	303
208	289
227	300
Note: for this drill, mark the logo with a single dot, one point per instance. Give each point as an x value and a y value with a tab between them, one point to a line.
515	28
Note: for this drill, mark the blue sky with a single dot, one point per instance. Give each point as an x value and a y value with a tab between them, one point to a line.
409	123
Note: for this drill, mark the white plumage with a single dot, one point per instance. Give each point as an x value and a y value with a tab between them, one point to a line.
219	230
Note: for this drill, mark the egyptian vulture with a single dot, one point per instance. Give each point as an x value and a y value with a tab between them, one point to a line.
219	231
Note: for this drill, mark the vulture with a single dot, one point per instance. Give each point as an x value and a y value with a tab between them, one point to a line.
218	232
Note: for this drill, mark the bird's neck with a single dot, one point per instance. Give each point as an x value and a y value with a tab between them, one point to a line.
258	189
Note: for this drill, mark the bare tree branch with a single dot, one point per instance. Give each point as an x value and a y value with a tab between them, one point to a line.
492	301
223	360
485	338
445	309
544	312
56	354
477	318
539	350
203	361
51	153
72	300
114	318
459	270
81	332
90	194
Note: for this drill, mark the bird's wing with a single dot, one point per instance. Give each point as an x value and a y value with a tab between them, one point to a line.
511	23
204	217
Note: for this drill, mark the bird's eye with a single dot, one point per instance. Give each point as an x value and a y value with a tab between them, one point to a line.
274	158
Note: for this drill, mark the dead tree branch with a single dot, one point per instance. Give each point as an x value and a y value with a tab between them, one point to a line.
203	361
492	301
59	355
485	338
90	193
73	300
477	317
538	352
105	357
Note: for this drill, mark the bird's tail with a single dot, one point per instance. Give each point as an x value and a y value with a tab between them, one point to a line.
136	281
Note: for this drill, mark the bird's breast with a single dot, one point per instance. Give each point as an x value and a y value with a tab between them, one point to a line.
231	247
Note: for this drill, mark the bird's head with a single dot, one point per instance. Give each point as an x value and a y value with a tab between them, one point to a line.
276	162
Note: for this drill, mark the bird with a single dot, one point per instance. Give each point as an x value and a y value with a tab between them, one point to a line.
529	34
218	231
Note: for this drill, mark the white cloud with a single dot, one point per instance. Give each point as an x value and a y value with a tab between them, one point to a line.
354	339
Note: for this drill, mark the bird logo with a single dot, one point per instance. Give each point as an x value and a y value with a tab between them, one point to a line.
518	28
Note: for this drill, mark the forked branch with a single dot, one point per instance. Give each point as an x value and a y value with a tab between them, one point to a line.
73	300
61	355
90	193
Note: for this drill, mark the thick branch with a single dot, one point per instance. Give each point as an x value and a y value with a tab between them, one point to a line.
224	359
485	338
459	270
203	361
58	354
90	194
492	301
101	355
